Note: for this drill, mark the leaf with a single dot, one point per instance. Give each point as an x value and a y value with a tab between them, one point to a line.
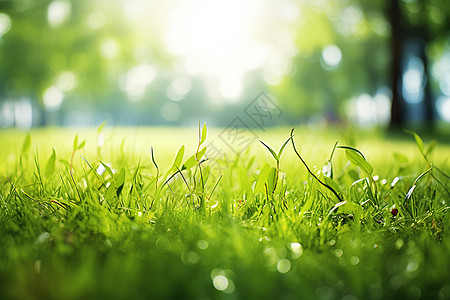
204	133
270	150
272	179
282	147
83	143
356	158
418	139
337	206
205	174
179	157
351	148
75	143
119	181
400	158
245	183
350	208
307	205
201	153
189	163
50	167
332	184
430	147
262	178
108	169
101	127
26	144
153	157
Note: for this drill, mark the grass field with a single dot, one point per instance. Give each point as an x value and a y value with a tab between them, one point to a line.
129	213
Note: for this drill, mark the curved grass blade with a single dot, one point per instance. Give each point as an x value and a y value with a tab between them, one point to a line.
309	170
270	150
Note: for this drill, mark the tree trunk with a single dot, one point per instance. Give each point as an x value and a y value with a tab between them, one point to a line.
396	43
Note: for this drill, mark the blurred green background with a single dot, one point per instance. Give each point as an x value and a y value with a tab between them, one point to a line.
380	63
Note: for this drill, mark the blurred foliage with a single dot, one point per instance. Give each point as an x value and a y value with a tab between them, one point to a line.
96	43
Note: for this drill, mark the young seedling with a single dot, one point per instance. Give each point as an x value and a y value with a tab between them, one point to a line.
272	176
357	158
195	160
309	170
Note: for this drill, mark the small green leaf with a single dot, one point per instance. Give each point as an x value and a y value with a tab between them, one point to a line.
119	179
108	169
350	208
430	147
282	147
201	153
179	157
272	179
307	205
204	133
400	158
50	168
26	144
270	150
418	139
357	159
332	184
83	143
101	127
245	183
262	178
205	174
75	143
189	163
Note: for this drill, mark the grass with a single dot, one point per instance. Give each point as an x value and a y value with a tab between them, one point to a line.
128	214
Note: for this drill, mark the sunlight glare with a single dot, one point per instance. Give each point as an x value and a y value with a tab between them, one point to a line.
213	37
5	24
67	81
413	81
58	12
23	113
331	56
443	107
6	113
179	87
136	80
53	98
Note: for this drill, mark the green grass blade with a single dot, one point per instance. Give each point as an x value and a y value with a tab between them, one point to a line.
419	141
262	178
50	167
270	150
26	144
280	152
204	133
153	158
179	157
356	158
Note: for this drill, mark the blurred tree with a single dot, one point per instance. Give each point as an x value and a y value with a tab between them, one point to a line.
414	23
77	48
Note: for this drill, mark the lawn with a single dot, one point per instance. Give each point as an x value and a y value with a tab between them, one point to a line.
131	213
